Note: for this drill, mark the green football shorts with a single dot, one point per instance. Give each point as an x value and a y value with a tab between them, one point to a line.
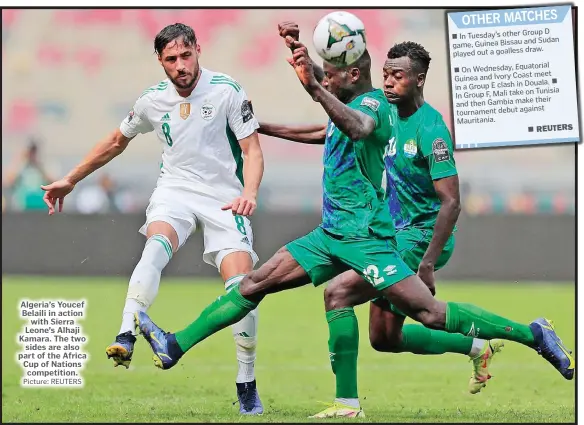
324	255
412	244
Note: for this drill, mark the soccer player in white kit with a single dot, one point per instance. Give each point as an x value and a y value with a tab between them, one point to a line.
206	125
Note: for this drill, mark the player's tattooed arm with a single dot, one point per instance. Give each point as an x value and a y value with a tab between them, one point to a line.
291	29
448	191
355	124
309	134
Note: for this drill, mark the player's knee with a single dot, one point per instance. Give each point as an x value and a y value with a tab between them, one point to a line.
335	297
432	316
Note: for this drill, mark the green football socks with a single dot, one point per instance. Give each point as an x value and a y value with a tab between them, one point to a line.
471	320
343	350
418	339
224	311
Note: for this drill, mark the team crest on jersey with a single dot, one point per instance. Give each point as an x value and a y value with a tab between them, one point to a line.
410	148
185	110
207	111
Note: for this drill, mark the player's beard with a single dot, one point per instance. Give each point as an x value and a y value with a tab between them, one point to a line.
186	85
344	94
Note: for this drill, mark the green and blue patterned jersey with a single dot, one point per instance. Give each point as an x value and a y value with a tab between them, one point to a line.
419	152
354	204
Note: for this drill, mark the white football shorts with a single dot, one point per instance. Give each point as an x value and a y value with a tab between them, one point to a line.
184	208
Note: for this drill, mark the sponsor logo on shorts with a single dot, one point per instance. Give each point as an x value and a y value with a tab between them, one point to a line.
390	270
245	240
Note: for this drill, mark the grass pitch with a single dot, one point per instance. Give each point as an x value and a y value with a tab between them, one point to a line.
292	368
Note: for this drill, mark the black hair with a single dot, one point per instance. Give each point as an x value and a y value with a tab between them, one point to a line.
172	32
363	64
416	52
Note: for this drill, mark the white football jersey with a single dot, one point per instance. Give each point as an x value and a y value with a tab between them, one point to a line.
200	133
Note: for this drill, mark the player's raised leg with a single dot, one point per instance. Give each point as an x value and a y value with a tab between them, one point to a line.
387	333
301	261
411	296
143	287
234	265
279	273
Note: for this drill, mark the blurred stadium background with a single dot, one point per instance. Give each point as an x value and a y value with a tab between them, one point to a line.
70	76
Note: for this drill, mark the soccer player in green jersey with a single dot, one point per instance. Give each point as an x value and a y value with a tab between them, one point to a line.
423	195
356	233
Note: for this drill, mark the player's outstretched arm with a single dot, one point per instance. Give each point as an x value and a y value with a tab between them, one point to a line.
355	124
291	29
309	134
102	153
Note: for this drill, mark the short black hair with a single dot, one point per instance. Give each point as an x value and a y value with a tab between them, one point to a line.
416	52
172	32
363	64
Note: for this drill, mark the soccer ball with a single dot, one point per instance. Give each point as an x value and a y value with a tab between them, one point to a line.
339	38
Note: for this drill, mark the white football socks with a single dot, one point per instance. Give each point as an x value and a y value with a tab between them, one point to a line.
145	279
245	335
352	402
477	346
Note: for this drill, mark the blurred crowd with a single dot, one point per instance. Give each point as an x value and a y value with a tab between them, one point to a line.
26	173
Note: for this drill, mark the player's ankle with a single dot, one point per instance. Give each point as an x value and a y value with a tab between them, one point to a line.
352	402
477	347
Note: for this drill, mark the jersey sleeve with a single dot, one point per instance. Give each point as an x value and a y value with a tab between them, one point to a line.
370	106
437	149
136	122
240	114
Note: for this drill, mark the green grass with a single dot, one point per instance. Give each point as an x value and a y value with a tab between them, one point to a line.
293	371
